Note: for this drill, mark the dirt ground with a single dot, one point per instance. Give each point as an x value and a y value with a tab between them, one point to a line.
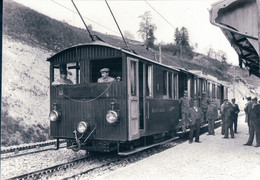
213	158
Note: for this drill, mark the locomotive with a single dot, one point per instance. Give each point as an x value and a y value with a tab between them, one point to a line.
138	110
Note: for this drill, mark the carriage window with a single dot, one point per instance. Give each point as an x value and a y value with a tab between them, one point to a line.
148	77
195	87
114	65
165	83
175	86
170	84
209	90
133	72
66	74
213	91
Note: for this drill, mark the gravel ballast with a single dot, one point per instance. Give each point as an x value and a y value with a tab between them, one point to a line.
214	158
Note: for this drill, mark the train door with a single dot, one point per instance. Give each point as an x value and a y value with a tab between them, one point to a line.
133	98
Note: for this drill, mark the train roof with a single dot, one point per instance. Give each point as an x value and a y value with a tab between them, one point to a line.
100	43
238	21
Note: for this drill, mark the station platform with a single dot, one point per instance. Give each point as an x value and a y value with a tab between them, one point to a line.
213	158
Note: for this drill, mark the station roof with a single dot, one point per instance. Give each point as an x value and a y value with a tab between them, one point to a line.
238	21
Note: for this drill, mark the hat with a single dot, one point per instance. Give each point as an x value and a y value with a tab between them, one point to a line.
233	99
254	99
104	70
248	98
225	99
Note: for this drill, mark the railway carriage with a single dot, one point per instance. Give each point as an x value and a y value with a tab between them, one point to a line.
139	109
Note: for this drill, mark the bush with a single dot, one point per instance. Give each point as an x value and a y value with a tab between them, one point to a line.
13	132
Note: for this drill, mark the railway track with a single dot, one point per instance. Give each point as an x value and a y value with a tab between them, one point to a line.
90	164
31	146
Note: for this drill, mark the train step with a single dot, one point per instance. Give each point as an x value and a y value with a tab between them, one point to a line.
135	150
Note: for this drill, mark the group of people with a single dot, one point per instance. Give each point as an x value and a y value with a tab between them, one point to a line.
252	110
65	81
229	113
194	116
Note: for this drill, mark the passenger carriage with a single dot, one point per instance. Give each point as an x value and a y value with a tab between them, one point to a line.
139	109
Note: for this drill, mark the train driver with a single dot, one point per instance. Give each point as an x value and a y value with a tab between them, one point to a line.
104	76
63	77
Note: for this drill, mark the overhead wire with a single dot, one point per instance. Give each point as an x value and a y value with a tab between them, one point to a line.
160	14
84	17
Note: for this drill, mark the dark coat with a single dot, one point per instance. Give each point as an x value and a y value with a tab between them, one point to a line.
194	116
254	114
229	115
236	110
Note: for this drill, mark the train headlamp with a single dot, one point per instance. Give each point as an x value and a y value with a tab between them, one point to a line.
54	115
82	126
111	117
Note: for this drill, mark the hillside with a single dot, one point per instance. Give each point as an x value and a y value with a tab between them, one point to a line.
30	38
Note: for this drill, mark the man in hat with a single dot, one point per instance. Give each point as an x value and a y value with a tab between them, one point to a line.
228	120
185	105
195	118
236	111
223	109
247	106
254	123
63	77
204	106
104	76
253	111
212	114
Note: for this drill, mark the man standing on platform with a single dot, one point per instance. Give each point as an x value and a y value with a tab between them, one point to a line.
185	105
212	114
195	117
248	104
229	119
223	109
254	123
204	106
236	111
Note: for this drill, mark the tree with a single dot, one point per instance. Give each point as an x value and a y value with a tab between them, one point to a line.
146	29
182	42
128	35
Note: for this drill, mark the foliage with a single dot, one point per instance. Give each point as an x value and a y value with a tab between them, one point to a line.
182	42
13	132
219	55
146	29
128	35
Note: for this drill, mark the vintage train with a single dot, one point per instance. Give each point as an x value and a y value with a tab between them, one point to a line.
138	110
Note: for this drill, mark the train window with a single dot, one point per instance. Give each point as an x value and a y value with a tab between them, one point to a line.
213	90
133	78
149	81
72	71
189	87
170	85
195	87
208	89
175	86
114	65
165	83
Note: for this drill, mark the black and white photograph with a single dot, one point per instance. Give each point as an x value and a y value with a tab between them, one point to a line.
130	89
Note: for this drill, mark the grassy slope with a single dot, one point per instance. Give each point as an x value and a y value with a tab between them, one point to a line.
25	85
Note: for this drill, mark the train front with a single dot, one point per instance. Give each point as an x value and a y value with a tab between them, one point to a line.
89	114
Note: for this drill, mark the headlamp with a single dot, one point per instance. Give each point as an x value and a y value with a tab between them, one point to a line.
82	126
111	116
54	115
